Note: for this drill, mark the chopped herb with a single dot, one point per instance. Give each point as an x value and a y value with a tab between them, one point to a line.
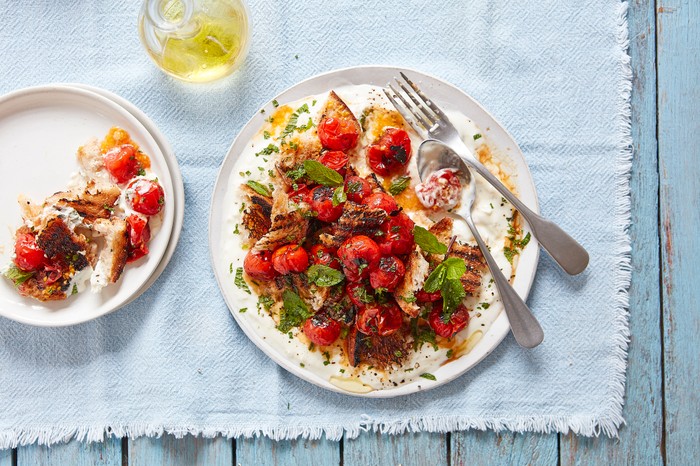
408	299
477	136
301	364
427	241
428	376
354	186
106	207
291	126
422	334
325	363
306	127
265	302
322	174
17	275
449	354
262	110
293	145
453	294
296	172
269	150
322	275
399	184
240	282
74	290
141	172
296	57
230	268
271	174
491	204
242	207
236	231
342	371
294	311
242	310
339	196
313	102
398	354
261	169
275	103
303	109
259	188
266	135
485	305
360	292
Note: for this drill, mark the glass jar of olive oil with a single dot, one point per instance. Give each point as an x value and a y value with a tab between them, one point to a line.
195	40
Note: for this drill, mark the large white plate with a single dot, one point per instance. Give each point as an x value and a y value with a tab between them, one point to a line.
447	97
40	131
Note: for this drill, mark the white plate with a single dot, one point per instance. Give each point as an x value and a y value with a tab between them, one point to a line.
174	169
40	130
447	97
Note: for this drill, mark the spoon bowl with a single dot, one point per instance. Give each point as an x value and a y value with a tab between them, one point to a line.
434	155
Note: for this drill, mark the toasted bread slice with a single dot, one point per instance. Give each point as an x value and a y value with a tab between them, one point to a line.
113	254
411	283
257	215
336	108
381	352
287	225
471	280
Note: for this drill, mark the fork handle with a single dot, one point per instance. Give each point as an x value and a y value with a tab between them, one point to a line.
565	250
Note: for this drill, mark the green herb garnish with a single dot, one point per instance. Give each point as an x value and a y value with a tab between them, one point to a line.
399	184
322	174
428	376
339	196
259	188
477	136
269	150
427	241
322	275
240	282
17	275
294	311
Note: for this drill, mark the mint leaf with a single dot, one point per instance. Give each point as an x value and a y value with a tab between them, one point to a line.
427	241
322	174
259	188
435	279
339	196
240	282
428	376
294	311
17	275
453	294
322	275
399	184
455	267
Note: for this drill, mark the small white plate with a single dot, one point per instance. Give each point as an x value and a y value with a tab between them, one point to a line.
40	130
448	97
173	167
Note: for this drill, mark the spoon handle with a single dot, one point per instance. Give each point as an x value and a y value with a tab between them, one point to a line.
526	330
565	250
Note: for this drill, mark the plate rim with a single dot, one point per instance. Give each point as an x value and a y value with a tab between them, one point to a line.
28	92
500	327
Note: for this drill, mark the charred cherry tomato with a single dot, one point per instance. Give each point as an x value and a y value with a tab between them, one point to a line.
390	153
146	196
121	163
358	255
301	194
381	201
360	293
388	273
357	189
28	255
458	320
290	258
379	319
338	133
423	296
139	236
258	265
398	235
321	200
321	329
335	160
324	256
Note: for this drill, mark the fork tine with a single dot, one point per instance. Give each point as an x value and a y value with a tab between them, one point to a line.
425	98
407	115
411	95
416	114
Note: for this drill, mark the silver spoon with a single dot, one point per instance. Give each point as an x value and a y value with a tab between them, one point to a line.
434	155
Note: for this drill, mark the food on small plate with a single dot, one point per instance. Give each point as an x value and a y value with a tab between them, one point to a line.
343	261
89	232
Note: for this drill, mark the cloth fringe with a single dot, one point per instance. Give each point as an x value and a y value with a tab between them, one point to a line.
608	422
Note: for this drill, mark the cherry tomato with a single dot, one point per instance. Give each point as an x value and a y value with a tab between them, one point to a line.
458	320
338	133
423	296
398	235
146	196
381	201
321	329
121	163
321	200
360	293
258	265
301	194
335	160
325	256
379	319
139	236
441	190
388	273
390	153
357	188
28	255
290	258
358	255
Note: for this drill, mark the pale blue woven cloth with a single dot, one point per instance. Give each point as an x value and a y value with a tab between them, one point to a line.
554	73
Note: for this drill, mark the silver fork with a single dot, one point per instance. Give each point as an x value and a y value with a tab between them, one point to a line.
431	122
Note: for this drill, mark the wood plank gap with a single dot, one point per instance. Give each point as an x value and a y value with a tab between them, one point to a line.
559	449
341	450
233	453
125	451
14	457
659	226
448	446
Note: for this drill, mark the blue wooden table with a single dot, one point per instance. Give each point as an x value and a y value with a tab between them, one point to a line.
662	406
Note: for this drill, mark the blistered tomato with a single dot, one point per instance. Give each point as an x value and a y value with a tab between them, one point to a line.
457	322
360	293
338	133
139	236
146	196
324	256
290	258
321	201
357	189
379	319
388	273
321	329
335	160
381	201
390	153
258	265
121	163
28	255
358	255
397	238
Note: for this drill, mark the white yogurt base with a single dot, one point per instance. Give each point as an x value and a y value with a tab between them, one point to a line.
489	212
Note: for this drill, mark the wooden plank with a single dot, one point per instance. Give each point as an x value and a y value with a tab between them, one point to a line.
189	450
490	448
262	450
678	52
640	442
407	450
6	457
107	453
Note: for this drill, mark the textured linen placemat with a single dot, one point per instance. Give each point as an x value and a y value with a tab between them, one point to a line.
556	74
